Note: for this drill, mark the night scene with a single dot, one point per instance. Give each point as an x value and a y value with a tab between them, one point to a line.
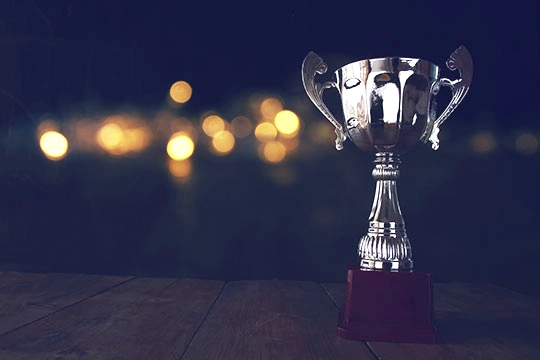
218	180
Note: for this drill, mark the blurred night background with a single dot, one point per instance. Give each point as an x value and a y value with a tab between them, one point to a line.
193	151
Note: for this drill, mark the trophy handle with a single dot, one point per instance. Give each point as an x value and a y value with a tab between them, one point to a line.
461	60
314	64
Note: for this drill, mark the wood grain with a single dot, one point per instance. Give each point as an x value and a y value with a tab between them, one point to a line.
142	319
26	297
273	320
474	321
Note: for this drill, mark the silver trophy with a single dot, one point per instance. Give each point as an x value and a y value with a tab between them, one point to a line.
389	105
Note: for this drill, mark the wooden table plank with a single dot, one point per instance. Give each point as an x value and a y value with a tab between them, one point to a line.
26	297
144	318
273	320
470	297
474	321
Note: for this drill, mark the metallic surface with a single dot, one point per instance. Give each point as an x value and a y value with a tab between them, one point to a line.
312	65
389	105
386	245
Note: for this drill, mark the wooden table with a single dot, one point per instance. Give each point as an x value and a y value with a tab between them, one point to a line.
73	316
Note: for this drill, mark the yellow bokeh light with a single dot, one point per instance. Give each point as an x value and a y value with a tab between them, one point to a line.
213	124
483	142
223	142
527	144
123	134
270	107
265	132
180	92
110	136
53	144
287	122
241	127
180	146
136	138
274	152
180	168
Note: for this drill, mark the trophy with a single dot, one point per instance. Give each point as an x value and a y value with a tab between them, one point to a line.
389	105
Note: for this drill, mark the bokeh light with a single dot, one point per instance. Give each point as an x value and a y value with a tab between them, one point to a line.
223	142
483	142
180	168
180	92
53	144
122	134
136	139
526	144
110	136
287	122
273	152
213	124
241	127
180	146
270	107
266	132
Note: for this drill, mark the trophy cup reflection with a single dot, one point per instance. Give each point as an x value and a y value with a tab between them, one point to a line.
389	105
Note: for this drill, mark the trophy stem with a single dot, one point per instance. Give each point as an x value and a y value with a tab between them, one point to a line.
386	245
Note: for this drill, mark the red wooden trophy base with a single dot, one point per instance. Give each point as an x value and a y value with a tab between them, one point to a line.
381	305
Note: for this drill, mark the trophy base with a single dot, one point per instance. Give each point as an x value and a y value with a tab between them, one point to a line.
382	305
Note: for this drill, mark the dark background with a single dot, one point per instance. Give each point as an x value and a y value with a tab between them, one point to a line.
471	215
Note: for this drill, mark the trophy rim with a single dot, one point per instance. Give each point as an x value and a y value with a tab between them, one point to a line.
412	62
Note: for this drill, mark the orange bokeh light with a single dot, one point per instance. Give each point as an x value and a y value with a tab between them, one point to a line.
180	92
273	152
213	124
223	142
270	107
265	132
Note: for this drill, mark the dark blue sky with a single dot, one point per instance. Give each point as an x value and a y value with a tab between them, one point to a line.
227	48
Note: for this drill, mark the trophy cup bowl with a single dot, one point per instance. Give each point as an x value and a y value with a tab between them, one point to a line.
389	105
